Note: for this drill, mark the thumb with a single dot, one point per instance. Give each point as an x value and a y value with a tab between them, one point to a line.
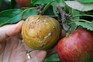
10	30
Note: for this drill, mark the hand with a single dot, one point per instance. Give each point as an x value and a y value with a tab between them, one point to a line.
12	49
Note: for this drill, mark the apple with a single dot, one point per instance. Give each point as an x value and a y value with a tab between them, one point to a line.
41	32
77	47
23	3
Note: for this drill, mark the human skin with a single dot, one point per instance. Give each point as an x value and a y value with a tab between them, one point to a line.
12	49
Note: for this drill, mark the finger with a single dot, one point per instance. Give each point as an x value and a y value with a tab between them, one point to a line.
34	53
14	51
10	30
39	57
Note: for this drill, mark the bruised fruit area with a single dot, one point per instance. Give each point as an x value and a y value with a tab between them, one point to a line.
41	32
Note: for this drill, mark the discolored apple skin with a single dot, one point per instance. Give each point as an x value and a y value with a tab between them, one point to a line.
23	3
77	47
41	32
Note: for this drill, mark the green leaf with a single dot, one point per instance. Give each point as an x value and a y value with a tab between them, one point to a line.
86	1
74	13
53	58
10	16
10	12
16	18
15	15
41	1
79	15
29	12
73	27
54	5
85	24
62	2
80	6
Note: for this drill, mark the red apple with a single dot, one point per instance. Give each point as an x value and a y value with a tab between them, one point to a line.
23	3
77	47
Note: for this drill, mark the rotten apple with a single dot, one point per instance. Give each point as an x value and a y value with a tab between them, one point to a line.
41	32
77	47
23	3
